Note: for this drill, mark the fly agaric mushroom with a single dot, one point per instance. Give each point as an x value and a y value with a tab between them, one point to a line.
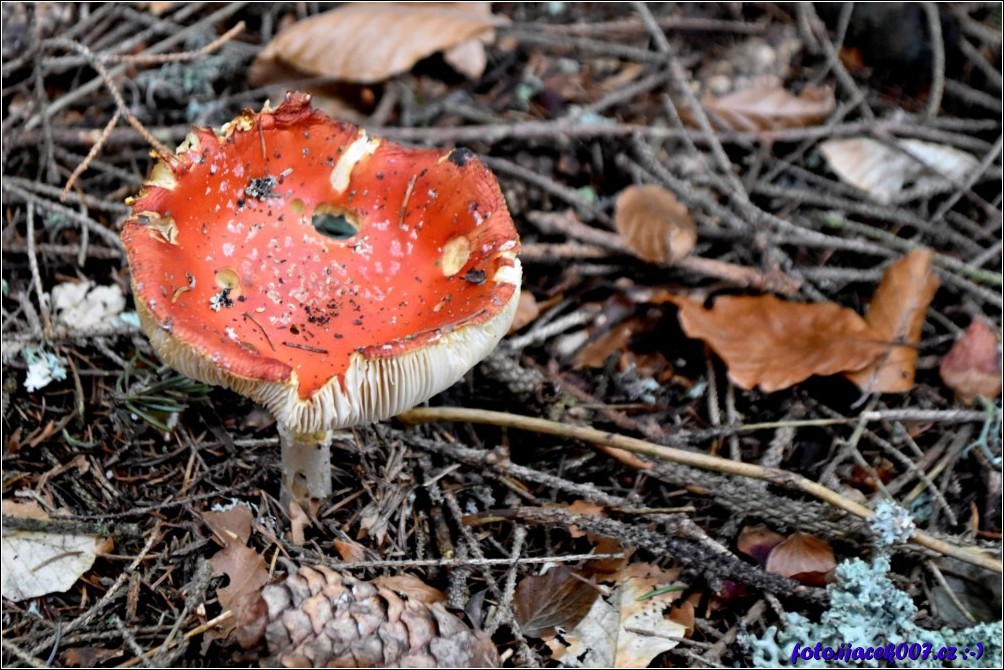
333	277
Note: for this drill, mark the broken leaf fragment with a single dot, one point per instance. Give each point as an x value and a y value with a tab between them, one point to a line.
885	171
37	563
897	313
244	567
972	367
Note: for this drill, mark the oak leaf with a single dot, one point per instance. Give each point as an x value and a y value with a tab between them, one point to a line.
774	344
243	565
654	224
371	42
896	313
802	557
767	106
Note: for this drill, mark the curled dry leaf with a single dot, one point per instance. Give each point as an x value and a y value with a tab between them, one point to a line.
654	224
885	171
370	42
775	344
972	367
802	557
558	598
767	106
896	313
37	563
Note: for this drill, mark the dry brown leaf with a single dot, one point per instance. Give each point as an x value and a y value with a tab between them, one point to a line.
231	525
774	344
972	367
88	657
767	106
896	314
614	341
527	310
369	42
583	507
885	171
350	550
758	541
802	557
654	224
558	598
410	586
683	613
242	564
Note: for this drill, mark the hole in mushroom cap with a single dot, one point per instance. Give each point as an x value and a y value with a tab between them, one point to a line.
333	222
227	278
455	254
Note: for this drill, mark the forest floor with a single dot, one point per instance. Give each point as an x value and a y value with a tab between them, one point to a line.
702	455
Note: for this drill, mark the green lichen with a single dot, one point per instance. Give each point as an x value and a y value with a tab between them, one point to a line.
867	610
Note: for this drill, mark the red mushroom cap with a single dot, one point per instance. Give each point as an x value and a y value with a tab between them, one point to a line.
235	286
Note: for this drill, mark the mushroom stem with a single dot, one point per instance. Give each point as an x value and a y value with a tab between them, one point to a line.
306	466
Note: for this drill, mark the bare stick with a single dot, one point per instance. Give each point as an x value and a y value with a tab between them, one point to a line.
36	278
937	59
91	155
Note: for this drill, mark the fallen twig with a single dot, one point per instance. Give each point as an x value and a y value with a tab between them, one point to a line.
775	476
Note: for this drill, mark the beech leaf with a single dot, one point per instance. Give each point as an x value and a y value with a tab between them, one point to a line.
803	557
559	597
370	42
896	314
884	171
972	367
654	224
758	541
766	106
774	344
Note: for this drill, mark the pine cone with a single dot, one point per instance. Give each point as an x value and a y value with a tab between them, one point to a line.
320	618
